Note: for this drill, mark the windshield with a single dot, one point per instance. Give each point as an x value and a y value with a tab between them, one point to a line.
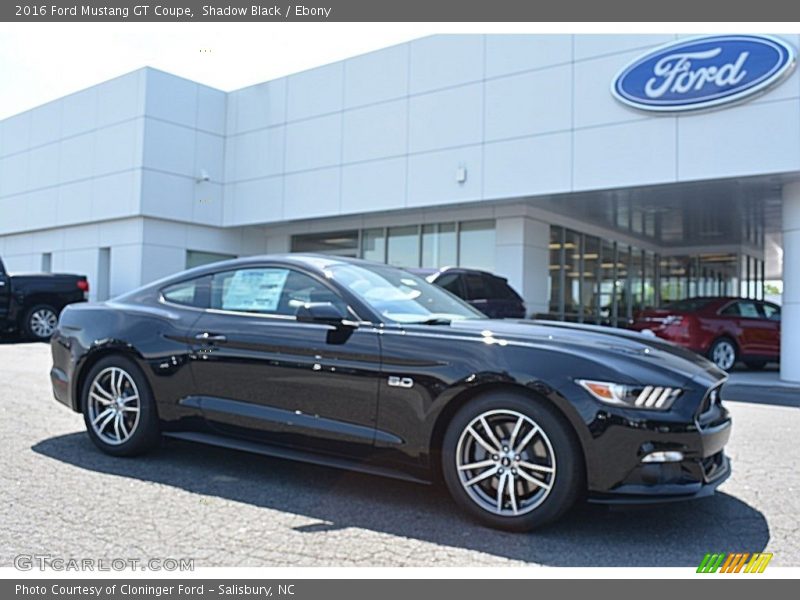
401	296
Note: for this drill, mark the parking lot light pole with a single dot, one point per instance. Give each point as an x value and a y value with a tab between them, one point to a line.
790	311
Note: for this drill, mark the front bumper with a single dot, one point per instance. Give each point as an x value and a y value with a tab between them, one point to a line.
62	372
628	480
60	383
656	493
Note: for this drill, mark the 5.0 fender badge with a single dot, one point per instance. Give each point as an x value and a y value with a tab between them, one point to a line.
401	382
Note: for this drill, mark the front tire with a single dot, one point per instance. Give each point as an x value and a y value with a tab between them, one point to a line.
118	408
40	322
512	462
723	353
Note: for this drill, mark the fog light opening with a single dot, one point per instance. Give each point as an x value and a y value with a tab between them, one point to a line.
667	456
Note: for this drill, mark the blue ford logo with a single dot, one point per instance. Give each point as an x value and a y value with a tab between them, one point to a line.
704	72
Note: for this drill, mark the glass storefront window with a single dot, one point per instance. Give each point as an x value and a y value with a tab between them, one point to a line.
339	243
403	246
469	244
590	296
623	284
649	281
623	214
637	281
439	245
572	263
607	287
476	245
373	244
556	273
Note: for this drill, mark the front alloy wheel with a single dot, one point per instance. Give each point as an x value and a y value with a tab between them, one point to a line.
505	462
512	461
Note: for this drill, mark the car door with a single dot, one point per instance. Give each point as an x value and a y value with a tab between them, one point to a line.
262	374
751	327
771	313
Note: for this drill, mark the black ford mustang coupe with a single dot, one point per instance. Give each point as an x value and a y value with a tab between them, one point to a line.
365	366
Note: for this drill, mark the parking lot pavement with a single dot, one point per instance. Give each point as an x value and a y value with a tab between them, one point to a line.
62	497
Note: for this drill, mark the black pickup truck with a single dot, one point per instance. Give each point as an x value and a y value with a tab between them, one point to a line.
30	304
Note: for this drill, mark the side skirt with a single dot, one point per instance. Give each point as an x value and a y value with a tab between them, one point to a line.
290	454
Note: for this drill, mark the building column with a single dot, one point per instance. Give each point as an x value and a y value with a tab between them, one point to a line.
790	310
522	255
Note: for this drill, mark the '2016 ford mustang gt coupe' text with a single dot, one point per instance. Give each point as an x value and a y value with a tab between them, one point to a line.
364	366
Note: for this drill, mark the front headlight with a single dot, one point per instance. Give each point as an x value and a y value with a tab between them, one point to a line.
647	397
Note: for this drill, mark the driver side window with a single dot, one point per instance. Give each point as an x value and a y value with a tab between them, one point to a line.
268	290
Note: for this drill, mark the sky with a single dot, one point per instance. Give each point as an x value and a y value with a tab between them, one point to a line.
40	62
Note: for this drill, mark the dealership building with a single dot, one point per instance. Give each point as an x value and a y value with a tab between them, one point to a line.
525	155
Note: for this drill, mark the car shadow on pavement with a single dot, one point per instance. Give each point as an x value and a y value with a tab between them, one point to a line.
668	535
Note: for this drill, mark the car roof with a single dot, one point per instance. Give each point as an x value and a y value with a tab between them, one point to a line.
715	302
315	262
311	260
431	271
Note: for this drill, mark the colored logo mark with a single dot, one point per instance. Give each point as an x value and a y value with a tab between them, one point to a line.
735	562
701	73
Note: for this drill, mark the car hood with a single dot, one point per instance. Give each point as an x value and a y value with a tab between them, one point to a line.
597	341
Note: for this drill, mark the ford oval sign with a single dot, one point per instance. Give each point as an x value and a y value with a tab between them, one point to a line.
699	73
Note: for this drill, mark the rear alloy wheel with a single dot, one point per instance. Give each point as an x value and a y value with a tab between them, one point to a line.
511	462
41	322
723	354
118	408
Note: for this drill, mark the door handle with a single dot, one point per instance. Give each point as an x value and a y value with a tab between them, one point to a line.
210	337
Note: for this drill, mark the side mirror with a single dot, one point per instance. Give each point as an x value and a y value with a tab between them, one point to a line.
321	312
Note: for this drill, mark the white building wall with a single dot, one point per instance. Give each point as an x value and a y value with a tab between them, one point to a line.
183	156
76	249
525	115
379	134
165	244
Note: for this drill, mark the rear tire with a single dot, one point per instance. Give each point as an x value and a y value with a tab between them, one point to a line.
40	322
723	353
518	445
118	408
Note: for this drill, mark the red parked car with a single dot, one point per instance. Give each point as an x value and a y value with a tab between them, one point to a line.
723	329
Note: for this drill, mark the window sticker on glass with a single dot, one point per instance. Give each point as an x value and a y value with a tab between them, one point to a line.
255	290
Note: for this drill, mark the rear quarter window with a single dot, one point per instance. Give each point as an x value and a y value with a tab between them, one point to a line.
193	292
